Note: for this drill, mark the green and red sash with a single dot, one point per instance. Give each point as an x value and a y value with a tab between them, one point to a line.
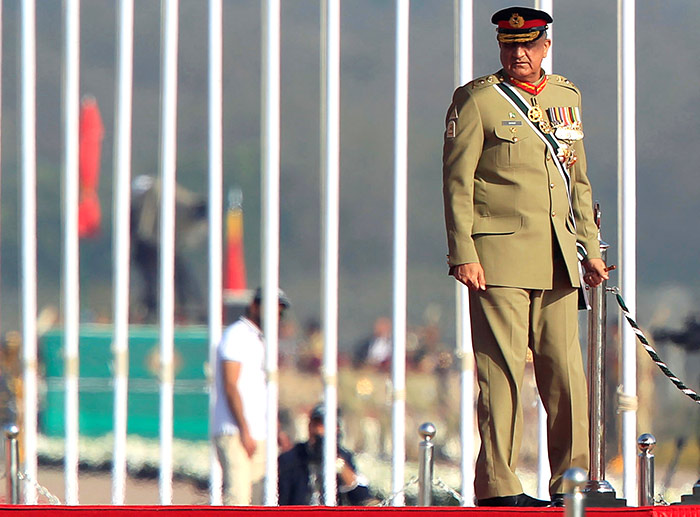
553	146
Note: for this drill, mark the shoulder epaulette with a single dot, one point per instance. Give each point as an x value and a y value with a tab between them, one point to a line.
462	93
562	81
482	82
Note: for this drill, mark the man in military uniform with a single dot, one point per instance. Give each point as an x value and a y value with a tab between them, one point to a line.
518	211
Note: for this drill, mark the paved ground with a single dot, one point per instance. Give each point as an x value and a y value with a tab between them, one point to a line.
96	488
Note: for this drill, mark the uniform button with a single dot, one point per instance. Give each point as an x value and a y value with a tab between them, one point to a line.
551	185
515	139
549	158
553	213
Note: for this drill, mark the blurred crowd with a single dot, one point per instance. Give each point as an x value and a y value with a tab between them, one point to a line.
425	350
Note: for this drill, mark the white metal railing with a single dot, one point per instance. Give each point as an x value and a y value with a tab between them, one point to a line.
270	138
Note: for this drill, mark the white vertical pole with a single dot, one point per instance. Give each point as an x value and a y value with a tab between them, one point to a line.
330	163
544	472
463	73
216	169
547	6
121	243
71	311
1	12
28	229
168	156
464	41
270	231
627	219
398	368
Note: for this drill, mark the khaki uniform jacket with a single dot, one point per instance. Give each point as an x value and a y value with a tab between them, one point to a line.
505	200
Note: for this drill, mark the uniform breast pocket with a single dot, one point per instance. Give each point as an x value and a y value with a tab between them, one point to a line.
509	146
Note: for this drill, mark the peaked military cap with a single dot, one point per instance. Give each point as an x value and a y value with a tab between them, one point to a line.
520	24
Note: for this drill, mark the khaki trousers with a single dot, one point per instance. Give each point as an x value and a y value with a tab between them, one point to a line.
505	322
243	476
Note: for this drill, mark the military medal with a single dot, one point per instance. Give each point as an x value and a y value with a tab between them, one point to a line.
566	122
546	127
567	155
535	113
566	133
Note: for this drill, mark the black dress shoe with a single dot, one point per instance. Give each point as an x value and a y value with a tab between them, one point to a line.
512	500
558	500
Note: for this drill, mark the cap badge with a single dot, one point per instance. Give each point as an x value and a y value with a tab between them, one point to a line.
516	21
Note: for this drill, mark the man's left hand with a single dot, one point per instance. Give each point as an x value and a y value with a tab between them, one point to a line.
248	443
596	272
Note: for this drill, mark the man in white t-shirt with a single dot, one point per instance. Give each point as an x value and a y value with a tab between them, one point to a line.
239	426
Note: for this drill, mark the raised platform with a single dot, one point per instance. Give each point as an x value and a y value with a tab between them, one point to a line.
298	511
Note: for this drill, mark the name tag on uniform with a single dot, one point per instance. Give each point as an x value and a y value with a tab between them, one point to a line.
511	122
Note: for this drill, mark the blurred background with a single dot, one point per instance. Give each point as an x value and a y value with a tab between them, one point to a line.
584	34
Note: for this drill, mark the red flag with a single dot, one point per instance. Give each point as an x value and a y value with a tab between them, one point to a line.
234	271
89	214
91	134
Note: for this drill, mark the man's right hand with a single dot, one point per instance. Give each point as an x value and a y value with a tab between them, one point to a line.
471	275
248	443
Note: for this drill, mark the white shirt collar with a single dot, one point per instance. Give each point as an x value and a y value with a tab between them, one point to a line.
252	325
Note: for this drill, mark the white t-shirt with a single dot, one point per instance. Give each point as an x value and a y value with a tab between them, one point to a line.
242	342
